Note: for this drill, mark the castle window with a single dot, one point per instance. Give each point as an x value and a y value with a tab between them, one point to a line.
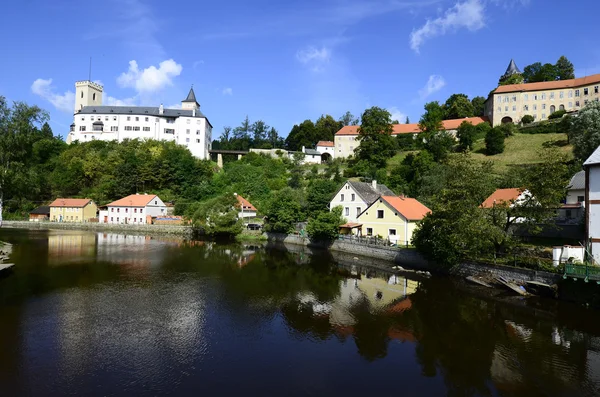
543	116
595	89
114	129
82	128
514	98
128	118
105	118
535	97
197	140
561	95
82	94
551	95
94	96
543	96
543	106
585	91
146	119
570	94
576	93
197	132
526	108
576	103
187	132
137	119
146	129
92	118
82	118
526	97
514	108
570	104
187	139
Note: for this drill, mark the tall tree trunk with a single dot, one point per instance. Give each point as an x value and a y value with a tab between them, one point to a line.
1	198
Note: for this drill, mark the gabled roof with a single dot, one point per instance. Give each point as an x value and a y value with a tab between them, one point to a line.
245	204
42	210
414	128
410	208
578	181
367	193
69	202
133	200
325	143
549	85
508	196
594	159
191	96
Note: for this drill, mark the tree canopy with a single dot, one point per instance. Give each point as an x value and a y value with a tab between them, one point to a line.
584	133
375	137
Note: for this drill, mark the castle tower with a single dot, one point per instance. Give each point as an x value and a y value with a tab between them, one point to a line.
190	103
87	93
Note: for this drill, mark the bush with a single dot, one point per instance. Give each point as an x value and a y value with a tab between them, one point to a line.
527	119
494	141
508	129
557	115
556	126
466	133
325	227
406	142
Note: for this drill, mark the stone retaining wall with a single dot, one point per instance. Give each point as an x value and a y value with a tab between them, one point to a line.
411	258
184	231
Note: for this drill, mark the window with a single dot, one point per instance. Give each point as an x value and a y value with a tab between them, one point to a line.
198	122
85	137
134	220
392	232
92	118
570	94
585	101
506	108
535	97
197	132
114	118
561	107
379	214
94	96
580	199
347	187
551	95
112	219
514	98
543	96
137	119
543	106
135	210
543	116
342	199
169	131
347	211
526	108
117	219
112	210
570	104
82	128
197	140
189	121
136	128
552	109
585	91
146	119
561	95
506	98
369	231
358	211
595	89
82	94
155	202
514	108
141	220
141	210
156	119
526	97
146	129
576	93
126	210
499	108
187	132
118	210
352	197
187	139
576	103
128	118
128	128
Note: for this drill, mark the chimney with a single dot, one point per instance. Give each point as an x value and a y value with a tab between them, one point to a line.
193	112
374	184
161	109
303	149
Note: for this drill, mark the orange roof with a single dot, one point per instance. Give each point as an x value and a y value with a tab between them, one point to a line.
246	205
69	202
410	208
350	225
549	85
325	143
502	195
414	128
133	200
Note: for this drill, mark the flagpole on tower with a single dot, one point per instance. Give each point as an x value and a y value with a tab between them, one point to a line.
90	74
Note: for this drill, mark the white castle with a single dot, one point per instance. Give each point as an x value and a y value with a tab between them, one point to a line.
186	126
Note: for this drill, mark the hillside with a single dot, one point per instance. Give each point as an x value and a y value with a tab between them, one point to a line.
519	149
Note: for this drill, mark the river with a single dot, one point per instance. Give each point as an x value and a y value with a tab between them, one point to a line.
100	314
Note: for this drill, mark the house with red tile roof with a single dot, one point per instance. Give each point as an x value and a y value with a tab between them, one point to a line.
247	210
345	141
393	218
73	210
327	150
506	197
135	209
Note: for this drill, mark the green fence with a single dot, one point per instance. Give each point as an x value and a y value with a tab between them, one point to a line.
585	272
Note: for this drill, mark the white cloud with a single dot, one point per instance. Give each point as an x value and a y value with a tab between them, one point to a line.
397	114
508	4
468	15
44	89
174	106
227	91
434	84
150	79
112	101
197	63
314	58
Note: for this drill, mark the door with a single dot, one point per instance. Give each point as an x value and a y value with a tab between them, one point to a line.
105	219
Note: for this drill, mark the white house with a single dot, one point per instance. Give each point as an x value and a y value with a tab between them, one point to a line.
355	197
135	209
247	210
327	150
186	126
592	203
311	156
572	211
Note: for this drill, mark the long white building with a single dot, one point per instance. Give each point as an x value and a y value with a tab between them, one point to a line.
186	126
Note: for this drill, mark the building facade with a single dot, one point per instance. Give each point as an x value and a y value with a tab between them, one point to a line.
509	103
73	210
92	121
355	197
346	139
136	209
592	203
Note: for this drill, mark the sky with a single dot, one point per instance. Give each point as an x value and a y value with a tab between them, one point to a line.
282	61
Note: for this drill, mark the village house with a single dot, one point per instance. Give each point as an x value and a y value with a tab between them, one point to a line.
393	218
592	203
247	210
572	211
73	210
355	197
40	214
136	209
510	197
327	150
346	139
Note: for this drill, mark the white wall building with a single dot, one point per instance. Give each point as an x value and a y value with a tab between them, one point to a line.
355	197
134	209
186	126
592	203
327	150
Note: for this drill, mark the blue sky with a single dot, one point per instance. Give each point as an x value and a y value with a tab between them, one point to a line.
282	62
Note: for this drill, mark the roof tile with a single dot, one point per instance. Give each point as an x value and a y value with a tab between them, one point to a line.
414	128
246	205
70	202
410	208
502	195
549	85
133	200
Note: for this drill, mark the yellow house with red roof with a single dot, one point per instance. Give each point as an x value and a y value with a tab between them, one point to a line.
393	218
73	210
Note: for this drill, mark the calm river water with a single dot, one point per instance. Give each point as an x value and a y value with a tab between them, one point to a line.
97	314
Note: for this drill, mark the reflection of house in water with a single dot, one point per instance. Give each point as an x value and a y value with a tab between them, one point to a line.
69	247
133	250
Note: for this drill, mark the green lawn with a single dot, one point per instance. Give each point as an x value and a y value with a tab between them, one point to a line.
519	149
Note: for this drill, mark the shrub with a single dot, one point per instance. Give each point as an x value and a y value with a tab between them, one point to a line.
494	141
507	129
325	227
466	133
557	115
527	119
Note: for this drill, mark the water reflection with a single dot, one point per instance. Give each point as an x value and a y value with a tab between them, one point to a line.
99	314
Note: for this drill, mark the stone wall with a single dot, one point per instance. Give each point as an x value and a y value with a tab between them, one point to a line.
411	258
184	231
